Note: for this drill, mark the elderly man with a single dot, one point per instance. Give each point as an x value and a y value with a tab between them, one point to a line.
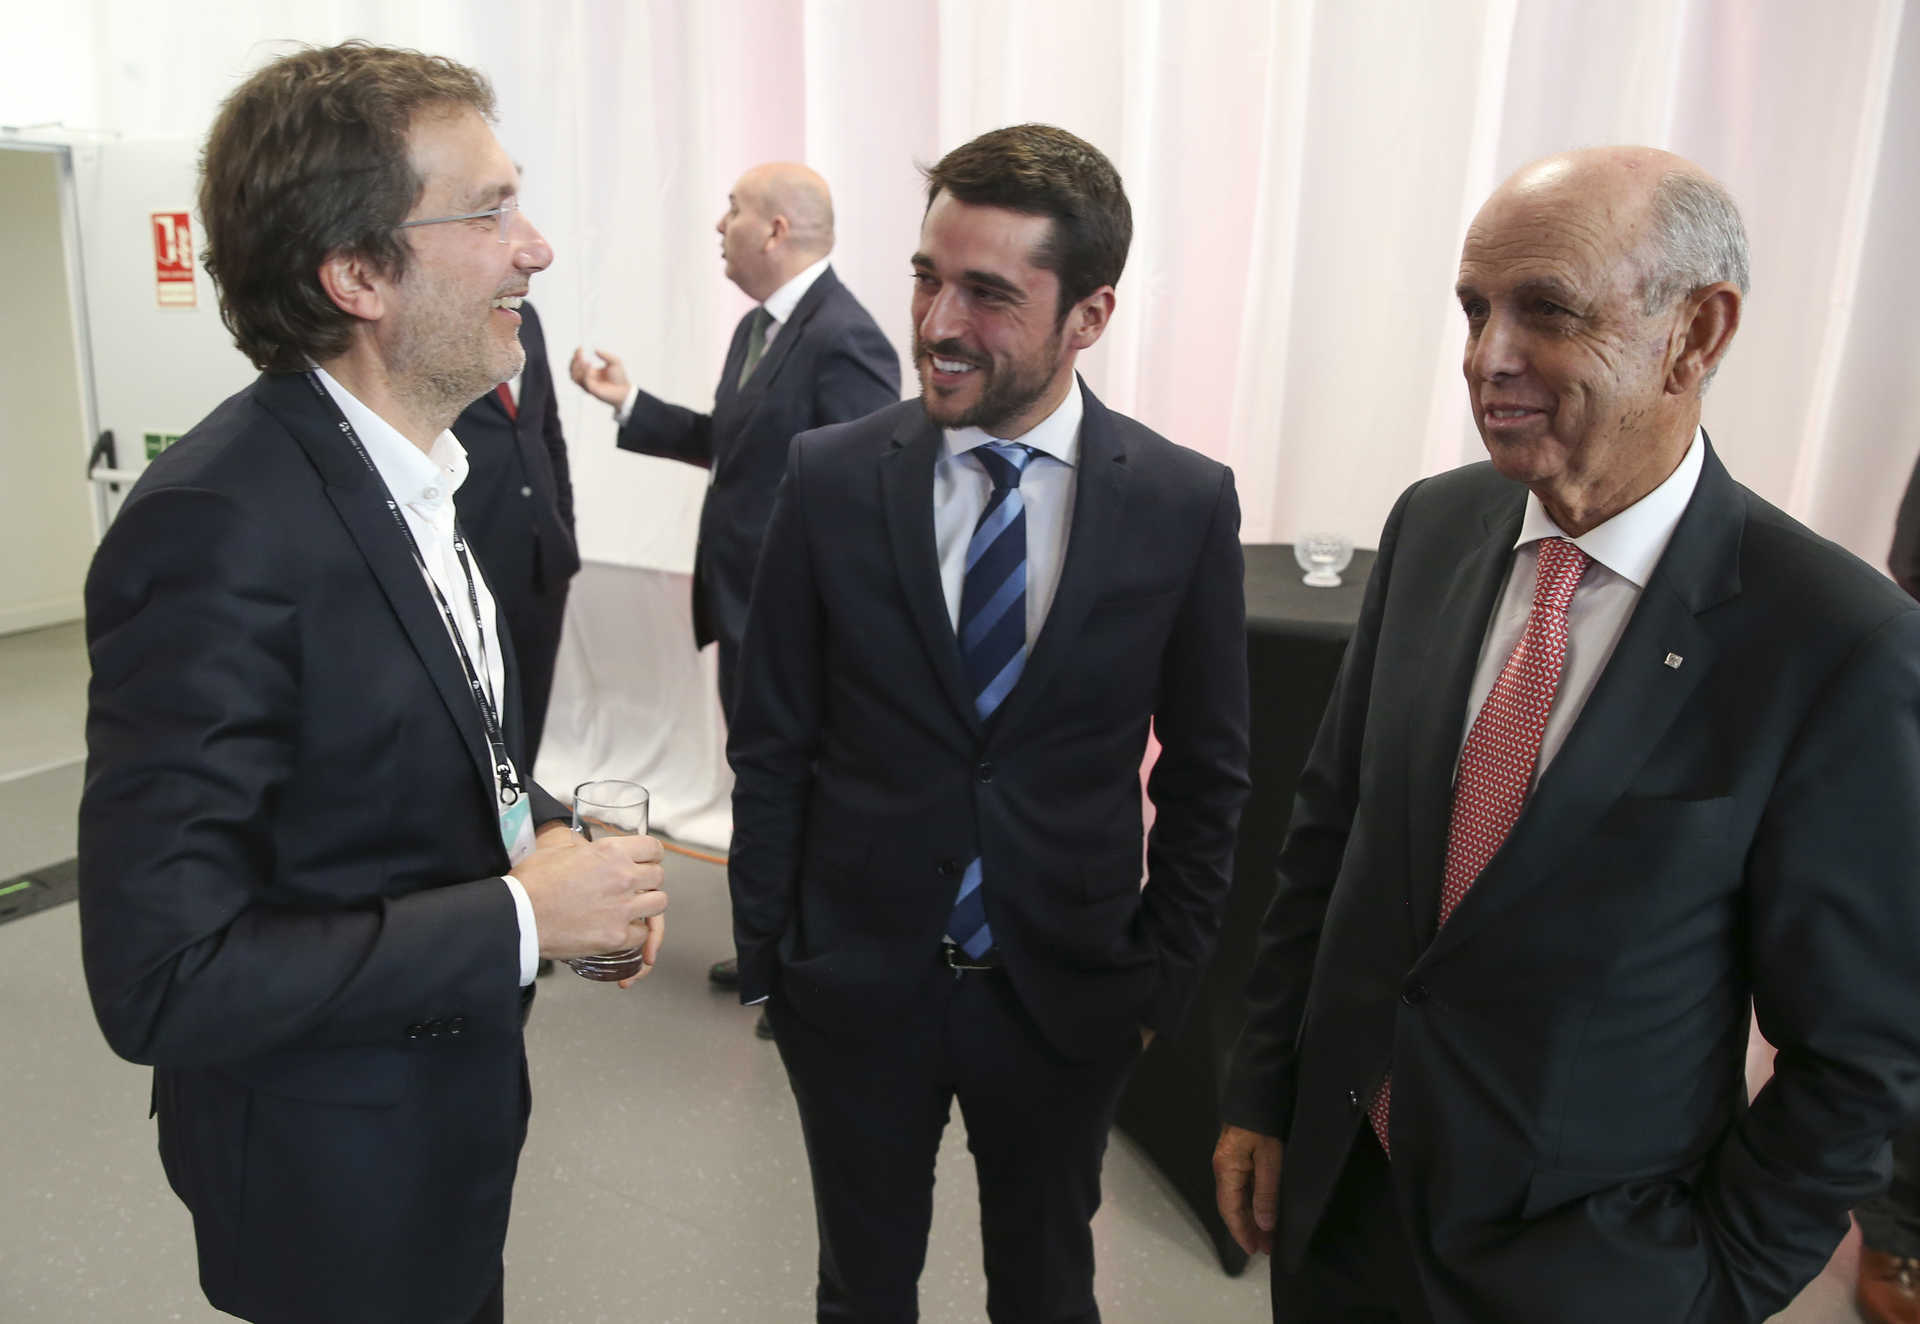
306	778
1617	746
971	607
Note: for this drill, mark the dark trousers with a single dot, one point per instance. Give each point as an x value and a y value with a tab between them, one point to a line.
1359	1267
535	620
872	1111
1890	1222
494	1309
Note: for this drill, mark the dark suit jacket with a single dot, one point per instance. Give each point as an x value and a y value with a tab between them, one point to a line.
290	899
864	781
1904	557
517	502
829	364
1571	1135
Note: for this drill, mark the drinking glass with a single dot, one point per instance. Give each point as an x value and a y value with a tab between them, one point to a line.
609	808
1323	556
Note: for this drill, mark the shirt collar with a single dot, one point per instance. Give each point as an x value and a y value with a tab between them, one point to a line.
1058	434
426	482
1632	542
781	303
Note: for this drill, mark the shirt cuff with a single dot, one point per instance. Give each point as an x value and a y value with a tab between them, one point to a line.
757	1001
624	410
529	932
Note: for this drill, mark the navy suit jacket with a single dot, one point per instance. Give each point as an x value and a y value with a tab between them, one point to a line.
290	893
517	503
1732	816
829	364
864	781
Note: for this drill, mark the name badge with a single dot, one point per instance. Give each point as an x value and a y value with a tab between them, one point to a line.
516	829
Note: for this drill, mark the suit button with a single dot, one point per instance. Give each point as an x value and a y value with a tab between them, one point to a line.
1353	1100
983	771
1414	994
951	868
526	491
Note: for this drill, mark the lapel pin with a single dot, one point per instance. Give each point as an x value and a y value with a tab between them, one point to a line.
1674	660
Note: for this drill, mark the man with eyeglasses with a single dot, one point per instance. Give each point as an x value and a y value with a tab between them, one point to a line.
315	876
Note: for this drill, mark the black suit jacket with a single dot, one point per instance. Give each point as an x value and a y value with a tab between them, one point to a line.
290	899
517	502
1571	1134
865	782
829	364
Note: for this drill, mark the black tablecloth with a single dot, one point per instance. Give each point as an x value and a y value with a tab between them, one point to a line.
1295	638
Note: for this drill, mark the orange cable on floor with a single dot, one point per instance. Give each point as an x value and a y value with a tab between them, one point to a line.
694	854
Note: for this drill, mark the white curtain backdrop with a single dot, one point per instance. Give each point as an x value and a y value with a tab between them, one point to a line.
1301	172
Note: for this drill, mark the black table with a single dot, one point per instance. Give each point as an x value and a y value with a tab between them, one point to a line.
1296	637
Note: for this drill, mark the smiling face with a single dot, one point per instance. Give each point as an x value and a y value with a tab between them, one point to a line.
1570	380
987	342
452	330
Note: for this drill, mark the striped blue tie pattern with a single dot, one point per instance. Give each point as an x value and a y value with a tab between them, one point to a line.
993	635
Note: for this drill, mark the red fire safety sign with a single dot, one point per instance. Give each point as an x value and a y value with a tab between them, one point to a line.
173	259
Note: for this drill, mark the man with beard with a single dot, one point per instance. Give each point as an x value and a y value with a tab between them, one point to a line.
969	610
306	773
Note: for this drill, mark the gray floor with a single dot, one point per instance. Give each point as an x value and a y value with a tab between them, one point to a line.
663	1178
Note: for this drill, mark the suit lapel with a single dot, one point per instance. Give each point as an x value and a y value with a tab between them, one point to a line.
769	366
1099	494
360	499
1632	705
906	493
1436	725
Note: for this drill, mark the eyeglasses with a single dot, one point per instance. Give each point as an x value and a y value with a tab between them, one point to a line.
502	219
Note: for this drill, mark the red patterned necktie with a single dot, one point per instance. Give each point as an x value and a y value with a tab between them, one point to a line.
505	393
1503	746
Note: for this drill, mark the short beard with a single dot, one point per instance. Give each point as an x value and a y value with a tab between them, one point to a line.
1004	398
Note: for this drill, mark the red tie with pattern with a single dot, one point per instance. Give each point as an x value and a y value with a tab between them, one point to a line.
505	393
1496	765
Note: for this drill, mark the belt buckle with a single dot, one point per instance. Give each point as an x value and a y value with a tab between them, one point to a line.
958	960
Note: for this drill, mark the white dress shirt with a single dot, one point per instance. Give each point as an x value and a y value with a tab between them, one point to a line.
1624	551
779	305
423	485
961	489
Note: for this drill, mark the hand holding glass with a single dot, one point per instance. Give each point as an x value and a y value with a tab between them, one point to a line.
609	808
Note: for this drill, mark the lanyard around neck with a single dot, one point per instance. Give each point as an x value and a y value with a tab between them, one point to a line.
504	775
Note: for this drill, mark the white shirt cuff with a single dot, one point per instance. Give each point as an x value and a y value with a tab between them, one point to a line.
624	410
529	933
756	1002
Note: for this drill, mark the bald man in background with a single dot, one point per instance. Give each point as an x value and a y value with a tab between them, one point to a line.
807	356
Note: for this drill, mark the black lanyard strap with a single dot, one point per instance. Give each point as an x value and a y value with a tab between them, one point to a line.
507	779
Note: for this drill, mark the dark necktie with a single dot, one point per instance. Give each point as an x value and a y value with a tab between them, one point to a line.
756	344
1503	747
993	635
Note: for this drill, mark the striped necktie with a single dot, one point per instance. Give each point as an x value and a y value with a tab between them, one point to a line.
993	635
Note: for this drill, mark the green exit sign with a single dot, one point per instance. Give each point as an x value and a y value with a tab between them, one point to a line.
159	441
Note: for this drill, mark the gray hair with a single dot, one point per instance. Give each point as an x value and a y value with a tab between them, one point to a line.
1696	240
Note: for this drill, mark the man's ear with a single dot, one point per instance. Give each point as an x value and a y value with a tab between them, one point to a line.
1706	328
353	284
1087	320
781	227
